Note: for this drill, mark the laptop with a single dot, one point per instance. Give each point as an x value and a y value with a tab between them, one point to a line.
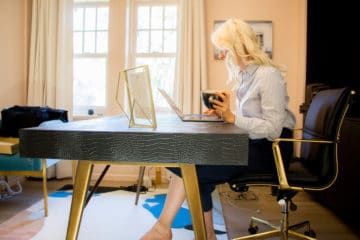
189	117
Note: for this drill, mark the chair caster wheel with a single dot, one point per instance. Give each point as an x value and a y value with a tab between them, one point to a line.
253	229
310	233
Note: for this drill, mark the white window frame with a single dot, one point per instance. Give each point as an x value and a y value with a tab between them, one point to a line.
98	110
132	30
134	4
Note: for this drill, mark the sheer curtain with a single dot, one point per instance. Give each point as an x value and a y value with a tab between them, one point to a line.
191	65
50	63
50	60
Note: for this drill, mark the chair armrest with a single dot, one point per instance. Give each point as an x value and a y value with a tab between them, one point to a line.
281	173
9	145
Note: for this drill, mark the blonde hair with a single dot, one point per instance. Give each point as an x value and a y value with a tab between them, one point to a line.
239	39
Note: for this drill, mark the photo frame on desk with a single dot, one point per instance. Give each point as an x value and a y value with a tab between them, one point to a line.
140	103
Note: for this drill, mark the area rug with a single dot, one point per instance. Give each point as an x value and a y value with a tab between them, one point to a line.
109	215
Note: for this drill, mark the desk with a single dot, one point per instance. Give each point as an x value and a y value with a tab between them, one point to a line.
109	140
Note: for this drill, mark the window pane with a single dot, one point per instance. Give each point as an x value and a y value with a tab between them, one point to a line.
170	17
156	17
156	41
89	81
77	42
89	42
90	18
162	72
102	42
170	41
90	36
103	19
78	19
143	18
142	42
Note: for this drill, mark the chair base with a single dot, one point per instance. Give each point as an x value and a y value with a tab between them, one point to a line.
284	231
276	233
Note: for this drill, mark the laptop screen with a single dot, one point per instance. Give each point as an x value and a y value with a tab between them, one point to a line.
189	117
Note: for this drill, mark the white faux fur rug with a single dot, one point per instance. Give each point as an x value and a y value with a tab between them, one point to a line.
109	215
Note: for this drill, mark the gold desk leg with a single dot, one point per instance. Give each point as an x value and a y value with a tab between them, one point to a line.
44	179
158	175
82	179
73	170
193	197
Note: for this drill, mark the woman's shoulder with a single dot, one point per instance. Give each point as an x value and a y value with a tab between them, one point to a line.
268	69
269	72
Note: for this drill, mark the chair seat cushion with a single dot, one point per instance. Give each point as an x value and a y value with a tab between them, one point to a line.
297	176
16	163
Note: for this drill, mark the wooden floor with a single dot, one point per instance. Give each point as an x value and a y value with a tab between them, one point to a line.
258	202
237	209
32	193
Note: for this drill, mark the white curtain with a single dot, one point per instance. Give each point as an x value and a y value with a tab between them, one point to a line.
191	65
50	63
50	60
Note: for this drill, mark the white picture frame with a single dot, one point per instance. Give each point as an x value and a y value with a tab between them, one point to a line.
264	33
140	104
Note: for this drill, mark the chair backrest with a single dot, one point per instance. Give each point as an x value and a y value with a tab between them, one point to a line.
323	121
318	166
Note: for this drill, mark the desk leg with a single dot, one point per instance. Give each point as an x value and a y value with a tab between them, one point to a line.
193	197
82	179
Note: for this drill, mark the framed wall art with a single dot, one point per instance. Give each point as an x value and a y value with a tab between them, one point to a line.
263	30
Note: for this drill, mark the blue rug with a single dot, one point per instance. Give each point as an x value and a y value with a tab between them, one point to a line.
182	218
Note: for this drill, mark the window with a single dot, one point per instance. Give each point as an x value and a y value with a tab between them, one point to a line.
153	41
90	46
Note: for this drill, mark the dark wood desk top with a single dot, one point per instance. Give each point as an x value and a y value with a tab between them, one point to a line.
110	139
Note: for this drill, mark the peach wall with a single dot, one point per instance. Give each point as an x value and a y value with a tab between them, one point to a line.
13	52
289	39
289	48
289	44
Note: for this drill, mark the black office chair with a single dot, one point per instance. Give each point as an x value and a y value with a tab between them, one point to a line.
316	169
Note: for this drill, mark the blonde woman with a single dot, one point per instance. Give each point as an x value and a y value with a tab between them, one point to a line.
261	109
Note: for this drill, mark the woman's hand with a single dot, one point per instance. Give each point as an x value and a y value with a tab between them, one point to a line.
212	112
223	107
